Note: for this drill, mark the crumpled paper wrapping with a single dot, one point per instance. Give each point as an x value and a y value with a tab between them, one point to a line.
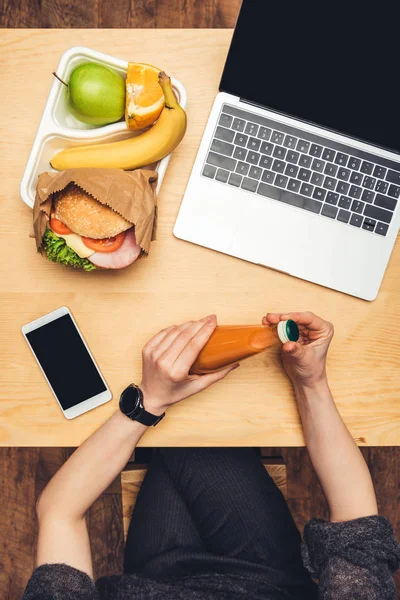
129	193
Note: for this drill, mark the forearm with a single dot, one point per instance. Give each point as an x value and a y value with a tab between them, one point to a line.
91	469
338	462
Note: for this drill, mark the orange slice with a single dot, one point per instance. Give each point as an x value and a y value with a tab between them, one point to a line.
144	96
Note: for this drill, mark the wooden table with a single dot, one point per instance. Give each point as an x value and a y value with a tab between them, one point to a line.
119	311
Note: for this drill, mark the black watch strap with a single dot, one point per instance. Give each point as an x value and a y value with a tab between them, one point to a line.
138	412
148	419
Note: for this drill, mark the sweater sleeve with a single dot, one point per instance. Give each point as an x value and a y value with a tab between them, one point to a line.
353	560
60	582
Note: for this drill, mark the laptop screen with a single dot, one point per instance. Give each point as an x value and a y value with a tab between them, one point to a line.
330	63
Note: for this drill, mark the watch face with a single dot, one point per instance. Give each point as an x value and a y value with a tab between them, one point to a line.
130	400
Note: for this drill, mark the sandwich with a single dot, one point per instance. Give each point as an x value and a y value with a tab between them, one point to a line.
85	234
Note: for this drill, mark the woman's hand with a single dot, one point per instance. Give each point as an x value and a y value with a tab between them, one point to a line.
167	359
305	360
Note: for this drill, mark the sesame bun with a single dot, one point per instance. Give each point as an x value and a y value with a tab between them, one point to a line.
86	216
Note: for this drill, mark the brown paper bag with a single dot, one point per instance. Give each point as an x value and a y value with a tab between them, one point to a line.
129	193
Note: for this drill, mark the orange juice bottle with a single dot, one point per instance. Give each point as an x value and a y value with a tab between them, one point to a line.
230	343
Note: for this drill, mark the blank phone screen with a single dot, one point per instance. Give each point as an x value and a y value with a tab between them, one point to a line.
66	362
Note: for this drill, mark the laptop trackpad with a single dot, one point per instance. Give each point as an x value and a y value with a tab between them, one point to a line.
275	235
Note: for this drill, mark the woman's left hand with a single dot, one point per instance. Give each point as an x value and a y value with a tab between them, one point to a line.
167	359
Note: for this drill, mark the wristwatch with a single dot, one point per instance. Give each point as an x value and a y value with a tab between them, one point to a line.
131	405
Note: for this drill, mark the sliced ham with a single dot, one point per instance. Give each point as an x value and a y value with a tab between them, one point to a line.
124	256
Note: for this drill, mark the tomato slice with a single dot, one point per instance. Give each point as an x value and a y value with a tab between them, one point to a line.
58	226
105	245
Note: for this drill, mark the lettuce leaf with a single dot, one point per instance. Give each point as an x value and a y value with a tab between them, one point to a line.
58	250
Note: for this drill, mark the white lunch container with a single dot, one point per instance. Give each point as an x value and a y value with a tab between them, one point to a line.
59	129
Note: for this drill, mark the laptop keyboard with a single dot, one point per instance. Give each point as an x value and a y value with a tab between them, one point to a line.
304	170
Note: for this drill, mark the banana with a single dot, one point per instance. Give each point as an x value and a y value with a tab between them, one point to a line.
136	152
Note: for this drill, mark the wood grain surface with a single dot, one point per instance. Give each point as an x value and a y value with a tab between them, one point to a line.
25	471
119	311
121	14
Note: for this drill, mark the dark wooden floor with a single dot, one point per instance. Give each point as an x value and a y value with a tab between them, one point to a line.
23	474
25	471
124	13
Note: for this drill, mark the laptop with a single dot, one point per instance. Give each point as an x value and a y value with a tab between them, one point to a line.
299	166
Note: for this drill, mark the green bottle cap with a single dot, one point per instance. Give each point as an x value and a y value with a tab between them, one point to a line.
288	331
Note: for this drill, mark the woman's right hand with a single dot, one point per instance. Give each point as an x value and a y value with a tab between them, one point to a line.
305	360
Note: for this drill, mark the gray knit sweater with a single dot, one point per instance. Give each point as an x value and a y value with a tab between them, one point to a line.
352	560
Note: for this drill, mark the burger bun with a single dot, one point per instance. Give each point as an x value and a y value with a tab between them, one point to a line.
87	217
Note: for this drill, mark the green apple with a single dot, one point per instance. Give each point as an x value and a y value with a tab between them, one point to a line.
96	94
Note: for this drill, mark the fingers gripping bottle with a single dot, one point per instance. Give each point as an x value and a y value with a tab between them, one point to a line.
231	343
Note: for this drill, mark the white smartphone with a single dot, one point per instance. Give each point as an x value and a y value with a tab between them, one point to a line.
66	362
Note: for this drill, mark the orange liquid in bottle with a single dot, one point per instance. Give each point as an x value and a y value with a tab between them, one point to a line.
231	343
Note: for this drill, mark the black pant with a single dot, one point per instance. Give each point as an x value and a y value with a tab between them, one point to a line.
214	510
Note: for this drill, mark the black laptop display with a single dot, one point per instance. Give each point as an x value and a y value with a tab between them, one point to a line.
330	63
